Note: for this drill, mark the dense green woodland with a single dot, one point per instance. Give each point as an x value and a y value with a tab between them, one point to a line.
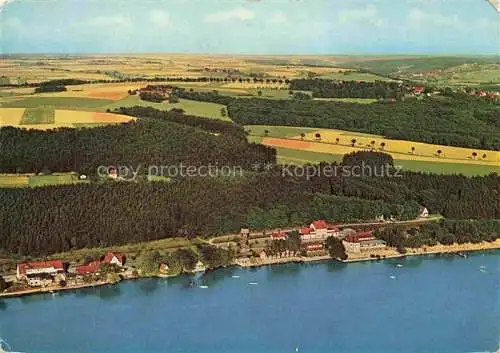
446	232
459	121
145	142
350	89
52	219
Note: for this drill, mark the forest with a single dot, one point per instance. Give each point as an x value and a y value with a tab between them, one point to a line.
461	122
143	142
38	221
445	232
52	219
321	88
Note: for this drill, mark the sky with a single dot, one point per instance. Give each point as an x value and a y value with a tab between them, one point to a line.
250	26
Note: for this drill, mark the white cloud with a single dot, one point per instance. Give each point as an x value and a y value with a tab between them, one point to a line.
110	21
240	14
368	14
278	18
160	18
3	3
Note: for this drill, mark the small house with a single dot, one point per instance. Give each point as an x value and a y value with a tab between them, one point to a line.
37	269
114	259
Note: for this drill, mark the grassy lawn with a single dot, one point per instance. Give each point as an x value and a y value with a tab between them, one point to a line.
348	100
72	103
38	115
291	156
203	109
270	93
354	76
54	179
24	180
446	168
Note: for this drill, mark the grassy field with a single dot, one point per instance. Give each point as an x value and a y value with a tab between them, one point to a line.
204	109
299	157
354	76
292	148
32	180
73	103
60	118
38	115
349	100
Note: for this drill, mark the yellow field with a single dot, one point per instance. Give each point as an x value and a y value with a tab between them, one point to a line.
11	117
63	118
14	180
399	149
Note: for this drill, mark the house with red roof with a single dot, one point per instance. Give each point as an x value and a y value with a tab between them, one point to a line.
362	241
418	90
319	230
41	268
114	259
279	235
92	267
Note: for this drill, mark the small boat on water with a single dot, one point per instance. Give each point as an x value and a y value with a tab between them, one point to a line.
252	283
235	276
399	265
203	287
392	277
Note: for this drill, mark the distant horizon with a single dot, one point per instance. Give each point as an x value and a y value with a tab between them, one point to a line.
396	54
243	27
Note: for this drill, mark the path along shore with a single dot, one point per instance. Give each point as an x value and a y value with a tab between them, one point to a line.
380	254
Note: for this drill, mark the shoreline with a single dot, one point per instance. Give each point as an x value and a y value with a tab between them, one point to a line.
384	254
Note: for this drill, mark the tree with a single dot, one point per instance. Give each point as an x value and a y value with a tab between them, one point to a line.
149	262
382	145
223	112
336	248
337	140
484	156
318	136
439	153
372	143
412	149
474	155
353	141
3	284
259	93
266	132
302	135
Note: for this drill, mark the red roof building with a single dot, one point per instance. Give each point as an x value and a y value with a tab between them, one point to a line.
304	231
418	89
359	237
319	230
113	258
279	235
38	268
92	267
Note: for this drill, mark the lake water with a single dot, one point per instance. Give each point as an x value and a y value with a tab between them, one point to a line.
429	304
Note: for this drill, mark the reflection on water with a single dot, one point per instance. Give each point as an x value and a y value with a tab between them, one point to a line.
109	292
3	305
287	269
212	278
334	266
149	285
